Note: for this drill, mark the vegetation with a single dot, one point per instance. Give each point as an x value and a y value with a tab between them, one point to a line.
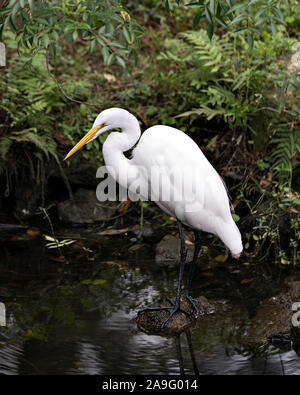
224	72
42	26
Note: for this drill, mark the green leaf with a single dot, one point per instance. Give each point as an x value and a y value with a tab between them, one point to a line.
193	5
279	14
14	11
109	29
92	46
208	15
212	7
1	31
197	19
75	35
167	6
97	281
46	40
238	19
105	54
273	28
55	35
11	24
235	8
31	6
221	21
127	35
110	59
250	40
121	62
52	50
210	30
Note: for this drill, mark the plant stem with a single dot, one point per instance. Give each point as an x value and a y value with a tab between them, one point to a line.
44	210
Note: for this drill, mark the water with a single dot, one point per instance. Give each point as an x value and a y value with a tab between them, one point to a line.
78	317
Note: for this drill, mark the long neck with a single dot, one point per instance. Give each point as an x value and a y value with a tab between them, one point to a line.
121	168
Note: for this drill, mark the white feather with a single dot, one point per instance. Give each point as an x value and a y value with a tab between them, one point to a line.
168	153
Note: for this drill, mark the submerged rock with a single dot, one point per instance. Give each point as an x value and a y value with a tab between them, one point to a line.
274	315
85	209
231	321
150	321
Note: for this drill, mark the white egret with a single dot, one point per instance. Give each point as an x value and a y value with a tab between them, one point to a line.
170	155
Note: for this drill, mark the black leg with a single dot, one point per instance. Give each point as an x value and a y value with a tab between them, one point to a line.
183	254
193	263
179	354
176	305
189	340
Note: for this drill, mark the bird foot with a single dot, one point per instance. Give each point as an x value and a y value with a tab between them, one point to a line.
173	309
194	314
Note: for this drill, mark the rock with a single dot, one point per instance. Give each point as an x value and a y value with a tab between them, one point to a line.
168	251
147	231
230	320
85	209
78	171
151	321
12	227
27	198
274	315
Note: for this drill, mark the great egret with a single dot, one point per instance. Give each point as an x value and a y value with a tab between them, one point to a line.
172	157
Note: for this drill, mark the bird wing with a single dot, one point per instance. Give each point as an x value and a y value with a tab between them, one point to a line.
184	170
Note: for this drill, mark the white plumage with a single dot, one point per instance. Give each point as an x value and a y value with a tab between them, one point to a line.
170	154
168	166
164	148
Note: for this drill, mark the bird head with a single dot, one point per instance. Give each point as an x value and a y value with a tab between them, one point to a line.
106	120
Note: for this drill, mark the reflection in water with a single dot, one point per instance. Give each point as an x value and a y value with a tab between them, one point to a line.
191	350
81	328
114	346
10	357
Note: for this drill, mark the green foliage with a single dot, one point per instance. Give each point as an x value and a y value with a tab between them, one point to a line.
148	10
286	143
274	225
28	103
206	60
237	99
235	84
246	18
33	110
40	26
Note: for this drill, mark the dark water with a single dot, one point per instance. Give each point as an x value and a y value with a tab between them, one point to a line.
78	317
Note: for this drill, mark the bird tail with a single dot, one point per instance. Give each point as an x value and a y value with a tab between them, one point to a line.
231	237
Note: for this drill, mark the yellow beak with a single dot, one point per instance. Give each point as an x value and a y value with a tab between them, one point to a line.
88	137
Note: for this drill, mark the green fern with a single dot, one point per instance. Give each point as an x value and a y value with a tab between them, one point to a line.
44	143
208	112
28	103
210	54
206	60
5	144
201	56
286	145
